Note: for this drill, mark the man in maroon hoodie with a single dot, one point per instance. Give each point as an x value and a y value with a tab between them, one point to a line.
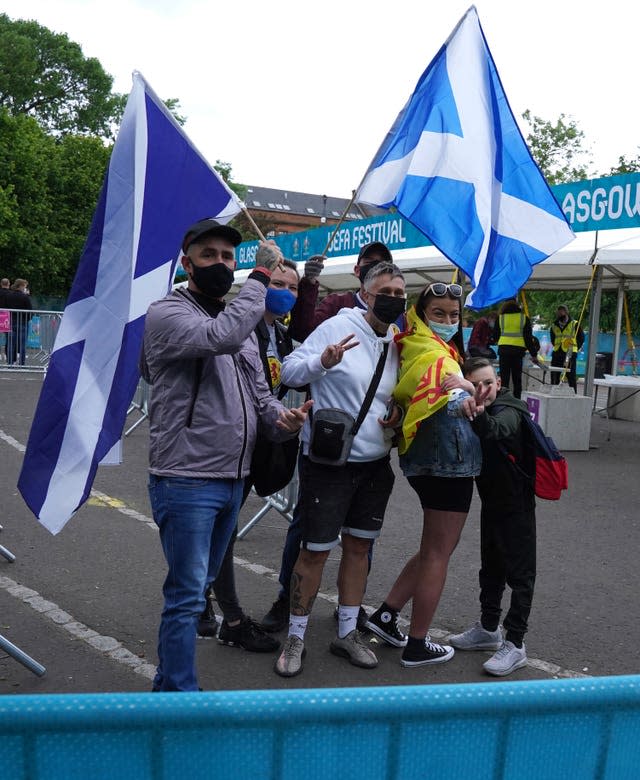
307	314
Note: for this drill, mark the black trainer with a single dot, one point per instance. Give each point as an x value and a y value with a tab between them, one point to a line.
277	618
427	652
248	635
384	623
208	621
361	623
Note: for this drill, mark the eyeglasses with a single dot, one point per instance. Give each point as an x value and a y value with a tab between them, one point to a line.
440	289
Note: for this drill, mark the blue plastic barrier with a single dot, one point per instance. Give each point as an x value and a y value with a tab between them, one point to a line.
577	729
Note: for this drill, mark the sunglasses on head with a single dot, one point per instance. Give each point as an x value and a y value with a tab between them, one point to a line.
440	289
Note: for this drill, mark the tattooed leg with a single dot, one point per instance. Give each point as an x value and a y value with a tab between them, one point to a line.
305	580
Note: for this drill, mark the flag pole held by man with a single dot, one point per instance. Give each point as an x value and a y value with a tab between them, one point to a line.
457	167
156	183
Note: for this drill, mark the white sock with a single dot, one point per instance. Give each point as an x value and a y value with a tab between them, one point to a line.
298	625
347	620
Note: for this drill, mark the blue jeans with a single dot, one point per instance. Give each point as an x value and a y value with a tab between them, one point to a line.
196	518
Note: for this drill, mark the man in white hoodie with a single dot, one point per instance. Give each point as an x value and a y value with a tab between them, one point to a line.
338	361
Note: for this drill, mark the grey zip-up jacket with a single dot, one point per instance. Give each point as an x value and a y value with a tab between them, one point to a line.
208	389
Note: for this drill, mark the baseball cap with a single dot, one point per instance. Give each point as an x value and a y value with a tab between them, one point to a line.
375	247
209	226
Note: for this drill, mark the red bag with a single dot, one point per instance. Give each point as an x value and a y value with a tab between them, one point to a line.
551	470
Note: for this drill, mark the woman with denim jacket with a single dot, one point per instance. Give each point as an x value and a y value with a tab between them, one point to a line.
440	455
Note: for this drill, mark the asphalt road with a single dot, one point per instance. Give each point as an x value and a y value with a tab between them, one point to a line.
86	603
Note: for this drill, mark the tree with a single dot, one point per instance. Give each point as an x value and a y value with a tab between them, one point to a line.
625	166
557	148
45	75
241	222
48	190
224	169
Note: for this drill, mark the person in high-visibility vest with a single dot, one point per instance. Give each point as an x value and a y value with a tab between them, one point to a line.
514	337
567	338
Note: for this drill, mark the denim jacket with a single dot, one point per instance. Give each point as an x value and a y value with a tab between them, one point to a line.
445	446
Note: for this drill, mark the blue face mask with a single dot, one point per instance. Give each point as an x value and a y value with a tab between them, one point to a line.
446	332
279	301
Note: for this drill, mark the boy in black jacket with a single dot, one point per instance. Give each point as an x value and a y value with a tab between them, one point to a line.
507	523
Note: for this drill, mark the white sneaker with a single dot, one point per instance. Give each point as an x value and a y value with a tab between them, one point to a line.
506	660
477	638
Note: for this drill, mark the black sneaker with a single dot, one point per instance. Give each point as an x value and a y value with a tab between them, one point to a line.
208	622
361	623
384	623
248	635
277	618
427	653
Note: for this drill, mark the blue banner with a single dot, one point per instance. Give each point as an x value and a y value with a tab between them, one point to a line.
391	229
593	204
601	204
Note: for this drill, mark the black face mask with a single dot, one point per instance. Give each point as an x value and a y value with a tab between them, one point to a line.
363	270
212	280
387	308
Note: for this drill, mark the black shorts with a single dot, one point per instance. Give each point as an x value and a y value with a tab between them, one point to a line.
352	498
449	494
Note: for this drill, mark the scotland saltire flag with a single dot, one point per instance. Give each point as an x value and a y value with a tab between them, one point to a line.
156	185
456	165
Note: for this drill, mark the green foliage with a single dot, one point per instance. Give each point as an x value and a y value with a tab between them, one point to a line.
46	76
242	222
173	104
625	166
557	148
224	169
48	191
543	305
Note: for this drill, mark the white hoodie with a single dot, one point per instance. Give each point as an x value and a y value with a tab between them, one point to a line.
344	386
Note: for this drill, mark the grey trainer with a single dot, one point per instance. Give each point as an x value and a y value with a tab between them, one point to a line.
289	662
477	638
506	660
353	648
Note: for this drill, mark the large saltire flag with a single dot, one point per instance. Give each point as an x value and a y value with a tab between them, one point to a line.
456	166
156	185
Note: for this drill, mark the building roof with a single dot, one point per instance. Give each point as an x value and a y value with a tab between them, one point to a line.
305	203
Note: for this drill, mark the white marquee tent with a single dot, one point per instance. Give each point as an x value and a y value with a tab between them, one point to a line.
615	254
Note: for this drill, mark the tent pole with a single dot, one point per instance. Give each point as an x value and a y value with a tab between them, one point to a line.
616	343
594	327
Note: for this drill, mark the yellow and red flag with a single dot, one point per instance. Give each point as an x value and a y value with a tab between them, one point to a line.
425	360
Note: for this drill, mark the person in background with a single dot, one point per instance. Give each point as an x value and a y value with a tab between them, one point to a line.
514	337
307	314
567	338
19	298
439	455
483	336
5	316
507	523
274	344
208	394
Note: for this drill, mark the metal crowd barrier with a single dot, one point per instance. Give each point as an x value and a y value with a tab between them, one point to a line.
139	404
583	729
13	650
283	501
27	339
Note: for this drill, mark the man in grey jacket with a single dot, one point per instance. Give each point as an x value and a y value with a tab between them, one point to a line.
208	395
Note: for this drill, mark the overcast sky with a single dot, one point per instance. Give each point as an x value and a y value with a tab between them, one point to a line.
298	95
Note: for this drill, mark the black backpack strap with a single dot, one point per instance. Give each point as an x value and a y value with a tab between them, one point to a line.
375	381
498	408
371	391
